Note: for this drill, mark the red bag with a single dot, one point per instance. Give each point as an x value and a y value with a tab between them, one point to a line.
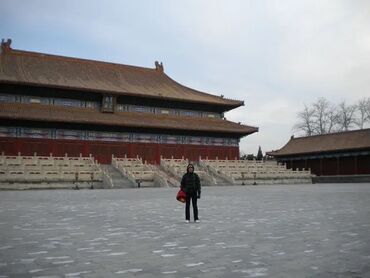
181	196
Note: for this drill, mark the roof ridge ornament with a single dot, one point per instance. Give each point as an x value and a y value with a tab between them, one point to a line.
232	99
5	45
159	66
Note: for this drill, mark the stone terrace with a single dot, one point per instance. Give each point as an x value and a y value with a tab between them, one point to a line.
245	231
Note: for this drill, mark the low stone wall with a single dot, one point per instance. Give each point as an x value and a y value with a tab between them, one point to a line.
342	179
44	185
273	181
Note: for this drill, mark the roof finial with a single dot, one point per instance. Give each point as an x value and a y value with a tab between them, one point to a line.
5	45
159	66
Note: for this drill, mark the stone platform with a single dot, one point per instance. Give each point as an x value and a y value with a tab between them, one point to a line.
320	230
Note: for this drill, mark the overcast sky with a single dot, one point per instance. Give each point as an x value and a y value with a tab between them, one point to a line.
274	55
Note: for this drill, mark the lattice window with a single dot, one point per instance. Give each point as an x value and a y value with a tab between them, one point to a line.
108	103
67	102
190	113
114	136
7	98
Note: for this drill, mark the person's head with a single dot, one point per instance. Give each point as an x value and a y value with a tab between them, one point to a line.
190	168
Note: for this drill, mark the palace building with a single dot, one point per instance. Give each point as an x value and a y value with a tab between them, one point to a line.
63	105
333	154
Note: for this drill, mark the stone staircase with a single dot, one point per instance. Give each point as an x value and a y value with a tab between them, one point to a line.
172	181
219	180
118	180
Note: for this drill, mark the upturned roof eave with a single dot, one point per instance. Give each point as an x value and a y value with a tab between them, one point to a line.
32	112
228	104
227	107
236	133
278	154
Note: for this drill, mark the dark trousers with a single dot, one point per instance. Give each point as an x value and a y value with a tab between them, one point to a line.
194	199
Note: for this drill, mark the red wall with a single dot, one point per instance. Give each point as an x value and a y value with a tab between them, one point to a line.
102	151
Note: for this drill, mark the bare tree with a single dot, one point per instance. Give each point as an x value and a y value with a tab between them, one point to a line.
368	109
363	109
325	116
332	119
320	107
306	121
347	116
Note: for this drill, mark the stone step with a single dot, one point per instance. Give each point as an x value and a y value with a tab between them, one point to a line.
115	175
119	181
220	181
147	184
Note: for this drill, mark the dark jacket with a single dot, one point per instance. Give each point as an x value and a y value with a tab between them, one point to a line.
190	183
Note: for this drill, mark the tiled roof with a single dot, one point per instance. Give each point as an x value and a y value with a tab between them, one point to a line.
31	68
332	142
59	114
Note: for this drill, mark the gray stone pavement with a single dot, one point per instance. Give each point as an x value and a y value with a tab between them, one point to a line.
320	230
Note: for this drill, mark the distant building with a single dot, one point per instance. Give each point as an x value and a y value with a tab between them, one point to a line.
342	153
54	104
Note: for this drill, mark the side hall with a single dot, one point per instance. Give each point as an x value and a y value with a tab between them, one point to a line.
335	154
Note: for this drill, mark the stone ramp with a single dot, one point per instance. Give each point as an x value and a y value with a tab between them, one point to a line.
219	180
118	180
172	180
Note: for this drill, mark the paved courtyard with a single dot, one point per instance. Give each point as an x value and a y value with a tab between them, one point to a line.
246	231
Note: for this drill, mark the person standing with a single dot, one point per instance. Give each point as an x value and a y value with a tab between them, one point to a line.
190	184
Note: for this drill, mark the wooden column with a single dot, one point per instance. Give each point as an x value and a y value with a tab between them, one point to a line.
356	164
338	165
321	166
